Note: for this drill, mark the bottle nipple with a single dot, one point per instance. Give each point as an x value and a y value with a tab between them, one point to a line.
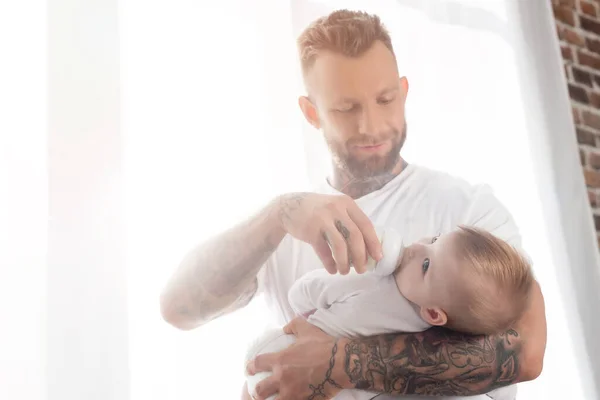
393	250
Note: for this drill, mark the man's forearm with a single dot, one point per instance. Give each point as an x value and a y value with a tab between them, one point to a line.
442	362
434	362
219	276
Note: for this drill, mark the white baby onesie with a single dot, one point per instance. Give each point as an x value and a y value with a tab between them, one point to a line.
352	305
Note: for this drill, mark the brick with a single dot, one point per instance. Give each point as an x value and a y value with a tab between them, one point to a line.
597	222
592	198
581	76
596	80
576	117
567	3
578	94
560	32
589	25
567	53
564	14
582	157
592	178
589	60
585	137
588	8
594	99
590	119
572	37
594	160
593	45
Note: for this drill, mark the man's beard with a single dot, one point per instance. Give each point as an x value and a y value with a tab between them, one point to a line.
372	166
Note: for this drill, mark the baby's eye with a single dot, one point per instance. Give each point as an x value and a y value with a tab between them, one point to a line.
434	239
425	265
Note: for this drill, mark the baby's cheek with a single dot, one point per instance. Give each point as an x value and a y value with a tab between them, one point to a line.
411	284
407	286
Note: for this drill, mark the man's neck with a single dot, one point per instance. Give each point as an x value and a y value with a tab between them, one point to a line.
354	187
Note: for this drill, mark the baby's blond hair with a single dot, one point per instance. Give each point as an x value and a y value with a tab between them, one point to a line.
346	32
498	288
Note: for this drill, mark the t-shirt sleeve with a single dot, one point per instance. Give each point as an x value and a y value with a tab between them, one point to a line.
485	211
261	277
283	252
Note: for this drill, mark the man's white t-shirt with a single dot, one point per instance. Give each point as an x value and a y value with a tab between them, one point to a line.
417	203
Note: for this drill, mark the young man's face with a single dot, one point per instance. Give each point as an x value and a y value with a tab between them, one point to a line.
358	103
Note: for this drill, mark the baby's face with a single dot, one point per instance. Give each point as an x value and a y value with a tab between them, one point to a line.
428	269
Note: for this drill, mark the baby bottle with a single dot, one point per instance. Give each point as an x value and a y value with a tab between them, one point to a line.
393	249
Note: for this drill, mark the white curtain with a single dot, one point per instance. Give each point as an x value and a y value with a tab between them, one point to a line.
23	199
211	134
162	123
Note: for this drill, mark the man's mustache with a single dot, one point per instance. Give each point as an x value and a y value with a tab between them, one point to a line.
366	140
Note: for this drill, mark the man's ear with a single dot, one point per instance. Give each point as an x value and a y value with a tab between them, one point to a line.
404	87
434	316
310	111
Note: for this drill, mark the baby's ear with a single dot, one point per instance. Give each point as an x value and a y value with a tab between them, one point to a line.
434	316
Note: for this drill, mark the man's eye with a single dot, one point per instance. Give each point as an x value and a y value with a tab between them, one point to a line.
425	265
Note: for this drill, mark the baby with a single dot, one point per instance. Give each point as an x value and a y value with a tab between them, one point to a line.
467	280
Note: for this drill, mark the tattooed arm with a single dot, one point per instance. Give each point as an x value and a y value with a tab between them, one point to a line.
434	362
442	362
220	276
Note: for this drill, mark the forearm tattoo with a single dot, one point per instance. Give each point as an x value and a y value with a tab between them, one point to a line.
434	362
319	390
221	275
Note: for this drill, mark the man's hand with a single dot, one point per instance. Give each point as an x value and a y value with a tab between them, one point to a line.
338	230
302	371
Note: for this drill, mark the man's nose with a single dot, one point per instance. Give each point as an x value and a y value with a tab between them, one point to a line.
371	122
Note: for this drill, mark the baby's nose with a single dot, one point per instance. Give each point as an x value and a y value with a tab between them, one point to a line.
412	250
423	241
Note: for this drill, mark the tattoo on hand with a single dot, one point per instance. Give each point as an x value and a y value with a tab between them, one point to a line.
289	205
434	362
319	390
342	229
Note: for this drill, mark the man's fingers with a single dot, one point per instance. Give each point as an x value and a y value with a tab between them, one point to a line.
339	248
262	363
296	325
355	242
299	327
266	388
367	229
324	252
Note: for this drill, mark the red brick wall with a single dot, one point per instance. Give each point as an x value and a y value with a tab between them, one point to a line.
578	26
